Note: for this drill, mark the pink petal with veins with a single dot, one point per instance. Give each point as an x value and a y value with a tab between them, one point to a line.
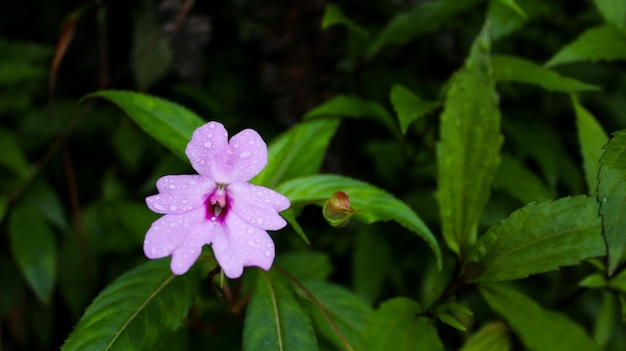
169	231
207	151
249	154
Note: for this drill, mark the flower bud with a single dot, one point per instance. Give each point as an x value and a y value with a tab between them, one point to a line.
337	210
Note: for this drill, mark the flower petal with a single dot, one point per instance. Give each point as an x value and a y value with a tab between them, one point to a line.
180	193
208	151
168	233
243	245
250	155
188	251
248	203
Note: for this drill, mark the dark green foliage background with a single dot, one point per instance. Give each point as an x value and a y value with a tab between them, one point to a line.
74	174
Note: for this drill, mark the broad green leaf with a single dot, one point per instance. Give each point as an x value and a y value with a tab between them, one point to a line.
605	320
12	156
493	336
42	197
612	198
151	53
595	44
537	238
408	106
468	152
539	329
515	69
504	18
368	275
167	122
613	11
34	249
274	318
522	184
376	204
618	282
297	152
14	72
592	139
513	6
353	106
400	326
138	311
305	264
347	311
333	16
425	17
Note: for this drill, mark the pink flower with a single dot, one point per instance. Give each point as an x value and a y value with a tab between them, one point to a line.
217	206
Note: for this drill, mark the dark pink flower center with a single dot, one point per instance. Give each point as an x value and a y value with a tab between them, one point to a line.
217	204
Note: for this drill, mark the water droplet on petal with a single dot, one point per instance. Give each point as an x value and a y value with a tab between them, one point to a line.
250	230
236	146
259	221
252	243
208	144
250	142
268	254
184	201
173	208
212	125
245	154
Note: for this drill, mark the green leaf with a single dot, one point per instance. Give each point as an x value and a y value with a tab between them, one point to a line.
306	264
522	184
297	152
468	152
425	17
408	106
138	311
151	54
539	329
493	336
592	139
593	281
376	204
537	238
348	312
368	275
595	44
11	156
613	11
34	249
167	122
504	18
290	216
274	318
353	106
515	69
398	325
42	197
618	282
612	198
334	16
513	6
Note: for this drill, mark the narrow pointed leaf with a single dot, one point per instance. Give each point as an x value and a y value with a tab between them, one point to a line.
612	198
493	336
354	107
334	16
375	204
138	311
167	122
348	312
595	44
408	106
33	246
539	329
519	182
613	11
12	156
425	17
274	318
537	238
297	152
516	69
468	152
398	325
504	19
592	139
